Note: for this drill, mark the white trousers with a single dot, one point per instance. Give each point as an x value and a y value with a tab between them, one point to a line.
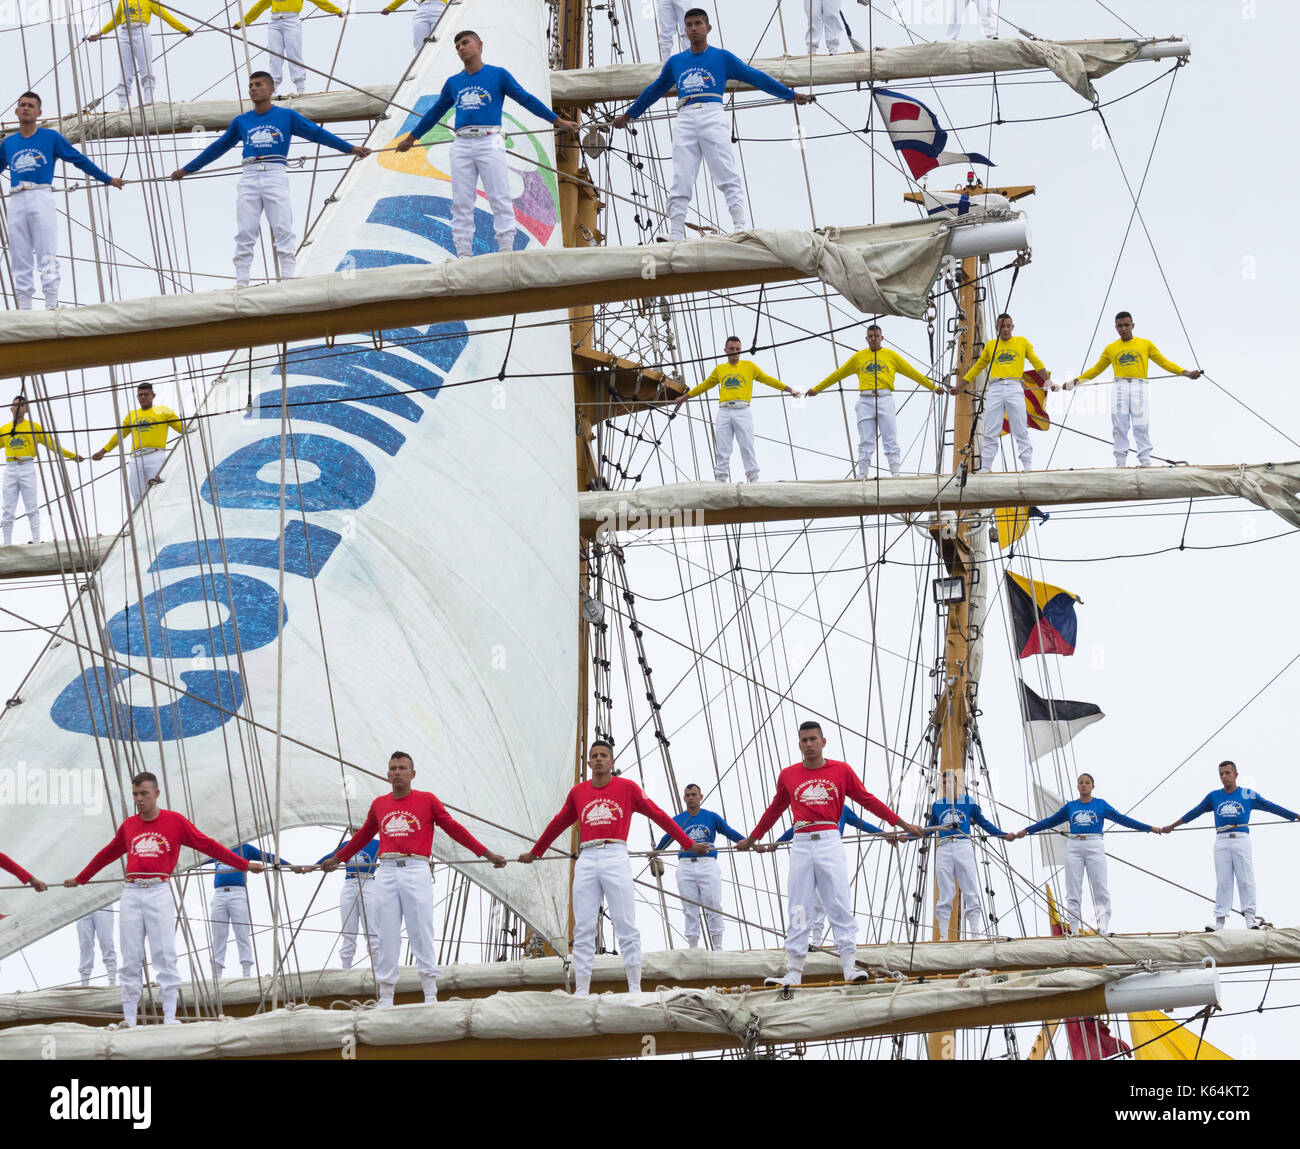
672	23
34	245
700	880
475	158
284	40
1086	854
264	188
604	871
703	134
1132	409
357	908
141	466
823	23
135	54
875	411
147	913
1006	397
98	924
734	426
988	15
954	868
405	892
427	15
1233	861
229	909
20	479
818	872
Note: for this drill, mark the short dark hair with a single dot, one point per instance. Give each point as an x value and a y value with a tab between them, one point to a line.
401	754
731	339
142	778
1003	316
1227	762
692	786
32	96
873	327
1122	315
601	742
260	76
19	398
810	726
694	12
144	386
456	39
1090	778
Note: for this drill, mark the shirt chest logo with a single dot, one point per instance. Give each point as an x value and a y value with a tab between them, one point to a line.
602	812
817	792
472	99
399	824
1083	818
150	845
694	81
27	160
1129	359
950	817
266	137
1231	809
1007	357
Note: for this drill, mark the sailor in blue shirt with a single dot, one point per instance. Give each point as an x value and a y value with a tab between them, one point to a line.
229	908
356	906
954	866
479	150
703	132
29	155
265	133
1233	861
1085	850
699	879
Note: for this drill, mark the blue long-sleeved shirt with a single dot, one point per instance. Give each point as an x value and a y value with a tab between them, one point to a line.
364	862
701	78
1087	818
956	818
847	818
1232	810
227	875
478	100
30	159
702	827
266	136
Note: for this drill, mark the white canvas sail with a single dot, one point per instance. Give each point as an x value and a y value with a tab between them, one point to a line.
429	532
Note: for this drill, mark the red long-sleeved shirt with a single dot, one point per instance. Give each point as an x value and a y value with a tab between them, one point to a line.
153	848
817	797
7	863
606	812
405	826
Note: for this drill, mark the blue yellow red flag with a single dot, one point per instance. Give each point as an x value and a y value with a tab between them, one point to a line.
1043	616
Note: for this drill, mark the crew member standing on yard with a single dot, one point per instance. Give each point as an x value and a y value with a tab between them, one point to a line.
703	131
479	150
134	49
96	924
735	381
955	856
672	26
1131	358
29	154
152	839
699	880
356	903
427	15
265	132
20	438
603	807
284	38
147	428
405	821
229	909
815	791
1233	860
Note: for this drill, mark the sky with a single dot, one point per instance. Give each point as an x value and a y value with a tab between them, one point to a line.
1175	645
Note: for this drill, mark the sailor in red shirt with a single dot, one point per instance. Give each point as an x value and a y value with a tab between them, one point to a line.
152	839
815	791
404	821
603	807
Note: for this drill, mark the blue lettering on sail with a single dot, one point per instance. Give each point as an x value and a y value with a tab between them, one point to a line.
323	404
346	479
429	216
212	697
307	548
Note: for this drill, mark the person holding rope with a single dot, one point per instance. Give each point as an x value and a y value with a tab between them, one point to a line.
20	437
146	427
1131	358
151	839
815	791
603	807
229	908
1085	850
356	903
284	38
1233	860
699	879
479	149
134	49
954	865
11	867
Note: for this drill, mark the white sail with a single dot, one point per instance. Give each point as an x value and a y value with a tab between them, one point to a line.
441	526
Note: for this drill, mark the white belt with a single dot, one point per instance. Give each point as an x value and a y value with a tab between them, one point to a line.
408	857
279	161
156	881
733	403
1084	837
25	186
699	102
598	842
22	459
146	450
476	131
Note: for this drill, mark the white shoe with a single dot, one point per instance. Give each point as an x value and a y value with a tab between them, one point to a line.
85	981
856	975
792	977
248	971
384	1003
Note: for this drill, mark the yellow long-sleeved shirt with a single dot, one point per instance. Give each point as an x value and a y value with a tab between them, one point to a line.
1130	358
140	12
1010	359
147	428
736	383
284	7
396	4
875	371
20	440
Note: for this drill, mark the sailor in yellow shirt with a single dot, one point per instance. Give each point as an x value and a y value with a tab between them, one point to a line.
147	428
284	37
1130	358
134	48
876	367
1004	394
735	423
427	15
20	438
